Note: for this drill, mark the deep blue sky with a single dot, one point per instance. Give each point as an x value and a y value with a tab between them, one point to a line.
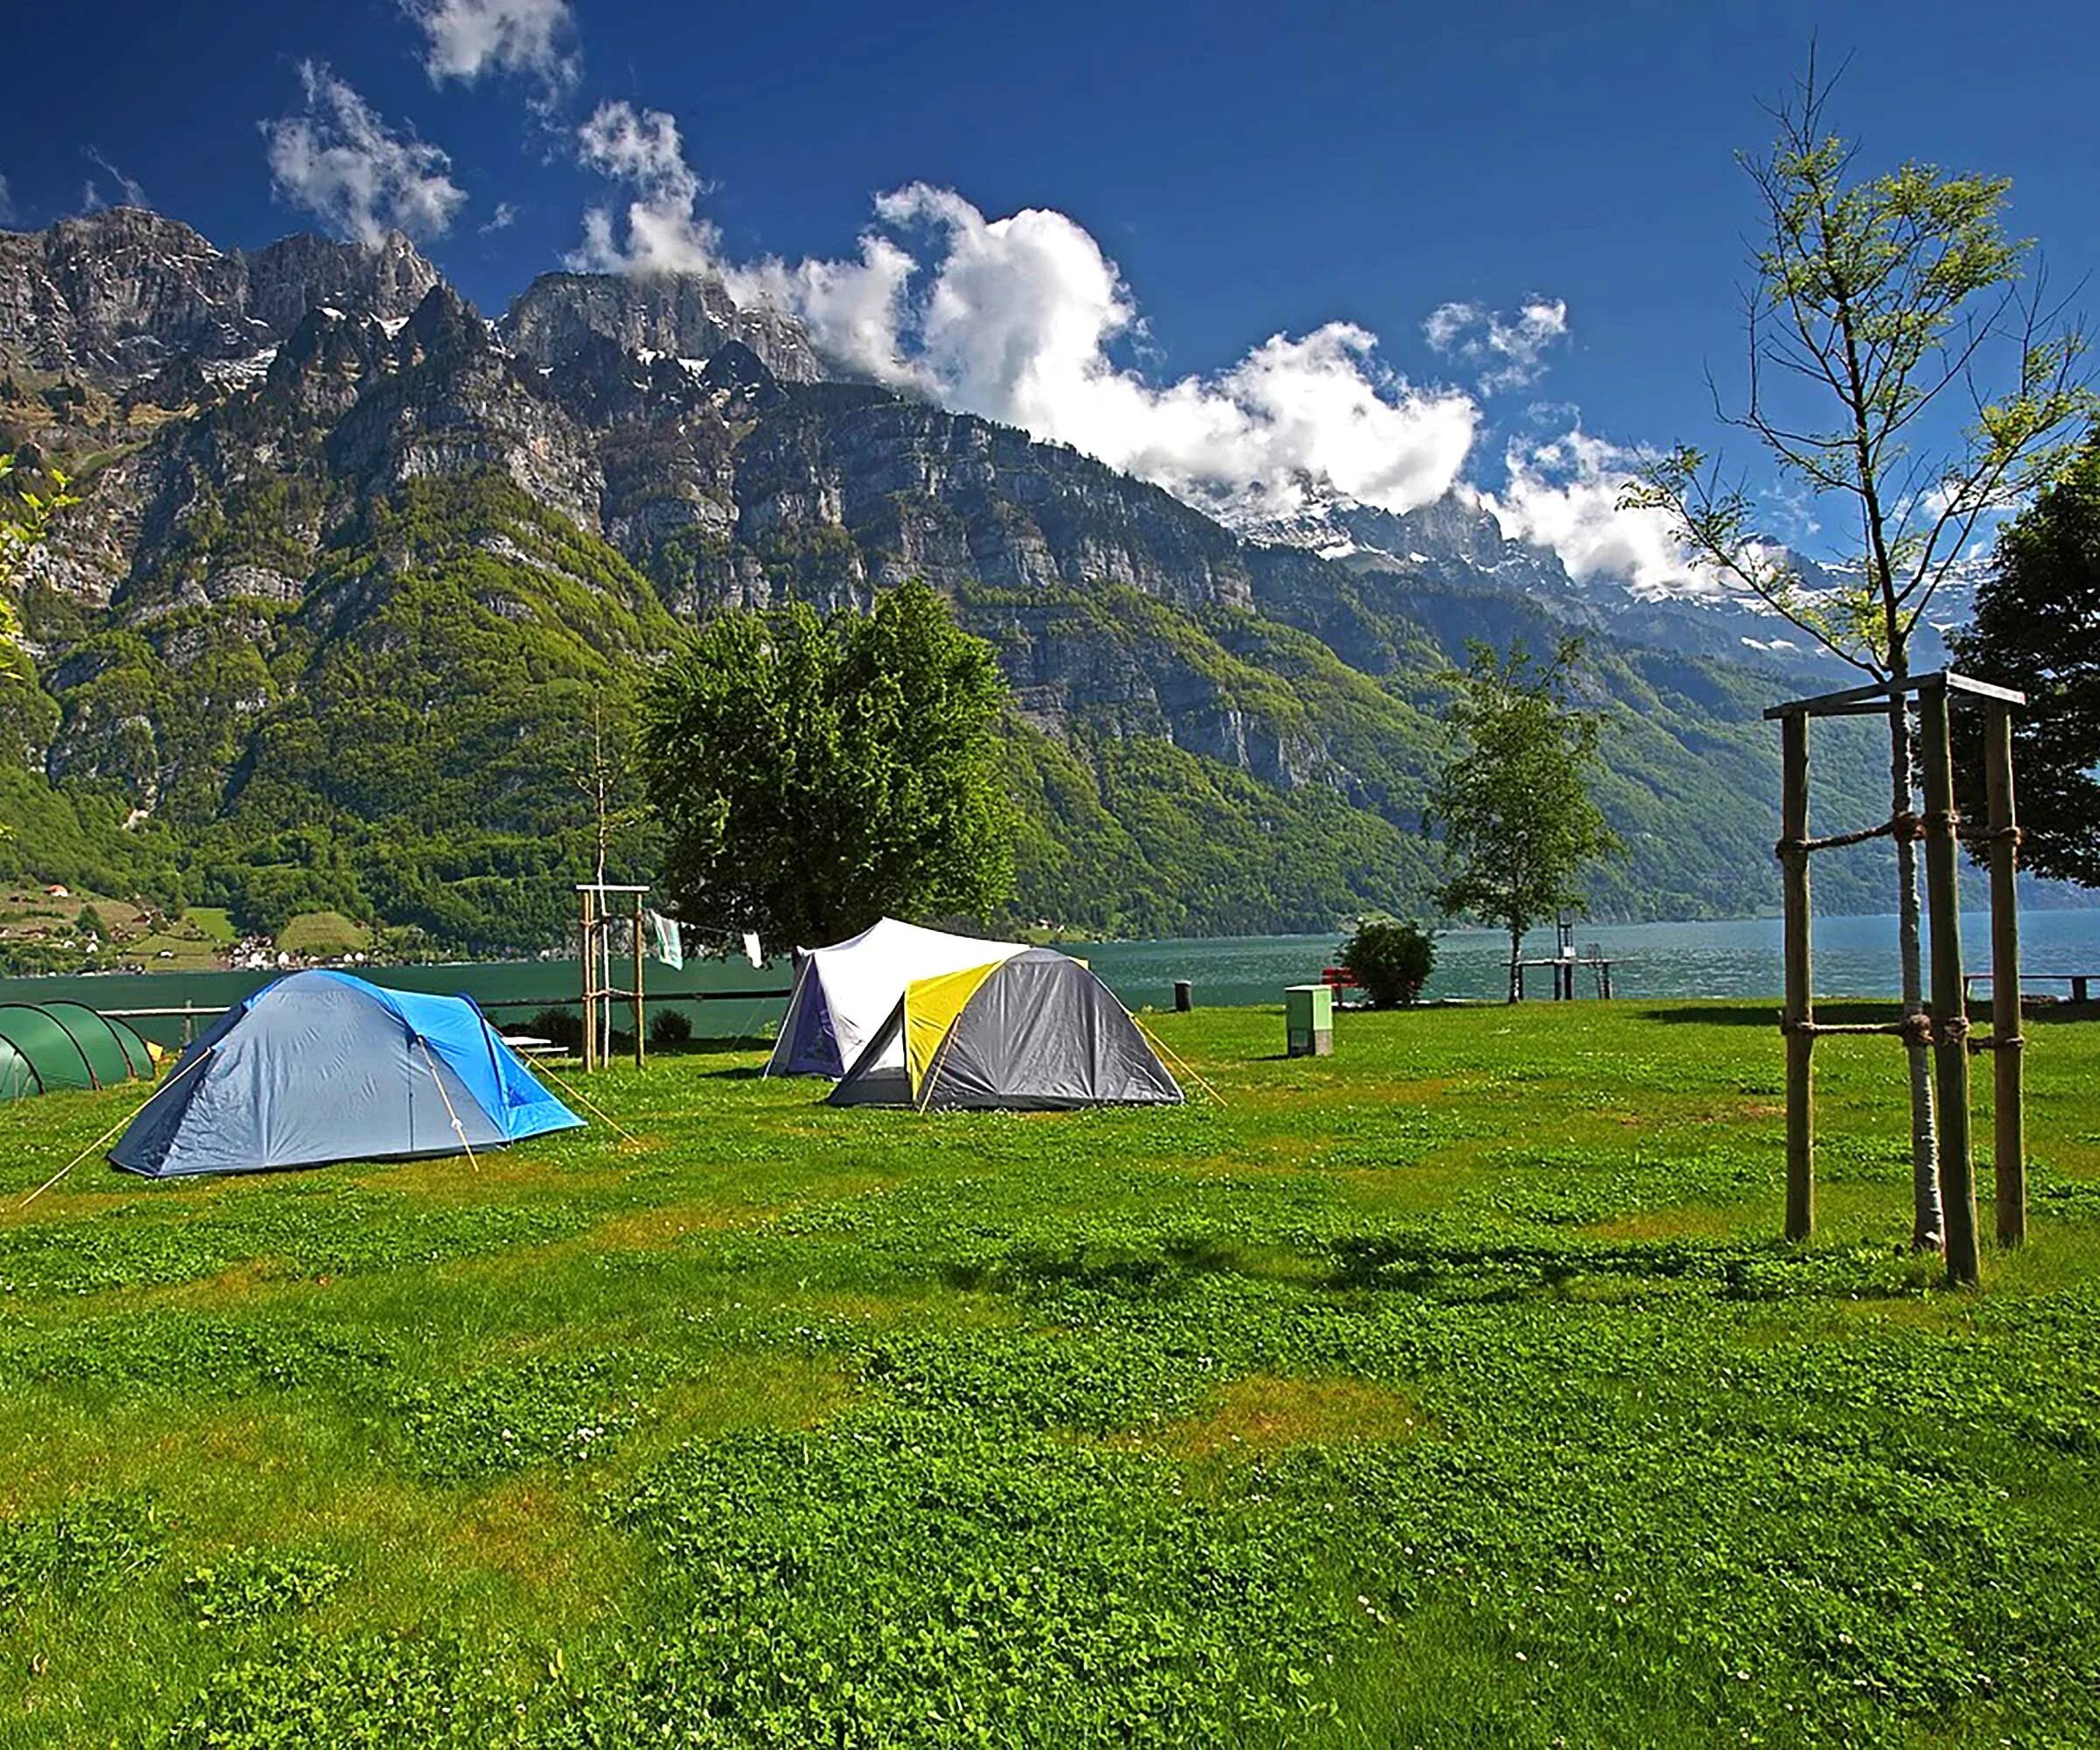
1250	169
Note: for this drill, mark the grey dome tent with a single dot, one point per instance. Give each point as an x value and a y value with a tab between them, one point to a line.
321	1067
1037	1031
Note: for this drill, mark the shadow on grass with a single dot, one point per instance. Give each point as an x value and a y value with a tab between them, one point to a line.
1126	1272
711	1047
1519	1270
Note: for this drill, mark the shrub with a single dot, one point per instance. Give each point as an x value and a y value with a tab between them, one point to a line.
1389	960
671	1027
564	1026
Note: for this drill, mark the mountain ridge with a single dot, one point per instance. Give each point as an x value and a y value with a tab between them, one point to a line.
1239	731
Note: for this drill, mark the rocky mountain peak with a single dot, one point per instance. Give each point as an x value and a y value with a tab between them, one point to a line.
685	315
737	372
445	326
297	274
113	297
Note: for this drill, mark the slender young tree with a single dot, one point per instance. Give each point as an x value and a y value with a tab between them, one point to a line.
1519	823
1908	370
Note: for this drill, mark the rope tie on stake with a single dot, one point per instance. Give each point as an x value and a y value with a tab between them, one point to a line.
2013	836
155	1094
1905	828
1916	1029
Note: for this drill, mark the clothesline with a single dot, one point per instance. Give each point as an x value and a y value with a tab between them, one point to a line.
666	939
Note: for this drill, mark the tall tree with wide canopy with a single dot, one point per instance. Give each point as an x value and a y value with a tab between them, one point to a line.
1515	808
2037	629
814	774
1909	373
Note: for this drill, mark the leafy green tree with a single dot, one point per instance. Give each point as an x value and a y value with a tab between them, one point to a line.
1389	960
1517	816
812	774
1878	306
2037	629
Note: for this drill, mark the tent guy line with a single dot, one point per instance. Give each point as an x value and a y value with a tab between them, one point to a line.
152	1094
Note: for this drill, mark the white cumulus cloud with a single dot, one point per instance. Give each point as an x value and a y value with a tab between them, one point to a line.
1563	492
465	38
130	193
341	162
664	231
1017	318
1508	351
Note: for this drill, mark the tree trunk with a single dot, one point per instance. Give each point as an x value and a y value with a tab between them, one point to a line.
1927	1230
1517	970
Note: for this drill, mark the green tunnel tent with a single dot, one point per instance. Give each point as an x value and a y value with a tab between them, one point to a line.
48	1045
144	1060
59	1046
104	1041
17	1080
1037	1031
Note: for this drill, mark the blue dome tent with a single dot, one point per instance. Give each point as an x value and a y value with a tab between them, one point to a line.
321	1067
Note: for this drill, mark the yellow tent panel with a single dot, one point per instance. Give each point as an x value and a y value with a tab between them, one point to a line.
930	1008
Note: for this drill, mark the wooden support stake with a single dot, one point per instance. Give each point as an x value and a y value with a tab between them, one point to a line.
638	981
2009	1144
589	945
1801	1002
1949	1017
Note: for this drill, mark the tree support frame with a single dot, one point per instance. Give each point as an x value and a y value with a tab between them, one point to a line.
1945	1026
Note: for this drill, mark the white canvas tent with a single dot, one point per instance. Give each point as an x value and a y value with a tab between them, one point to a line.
844	993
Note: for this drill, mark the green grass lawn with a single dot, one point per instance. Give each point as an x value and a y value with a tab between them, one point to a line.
1453	1390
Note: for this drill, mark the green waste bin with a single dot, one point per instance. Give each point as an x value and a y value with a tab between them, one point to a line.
1309	1016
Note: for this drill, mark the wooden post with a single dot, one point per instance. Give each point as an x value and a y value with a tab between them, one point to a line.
1801	1000
1949	1018
638	981
2009	1134
588	944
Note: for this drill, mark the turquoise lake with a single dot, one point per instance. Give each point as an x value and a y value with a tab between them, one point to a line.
1854	957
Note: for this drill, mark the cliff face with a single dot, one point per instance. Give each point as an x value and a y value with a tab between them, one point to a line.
116	296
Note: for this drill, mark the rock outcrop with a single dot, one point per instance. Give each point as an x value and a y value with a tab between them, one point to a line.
116	296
